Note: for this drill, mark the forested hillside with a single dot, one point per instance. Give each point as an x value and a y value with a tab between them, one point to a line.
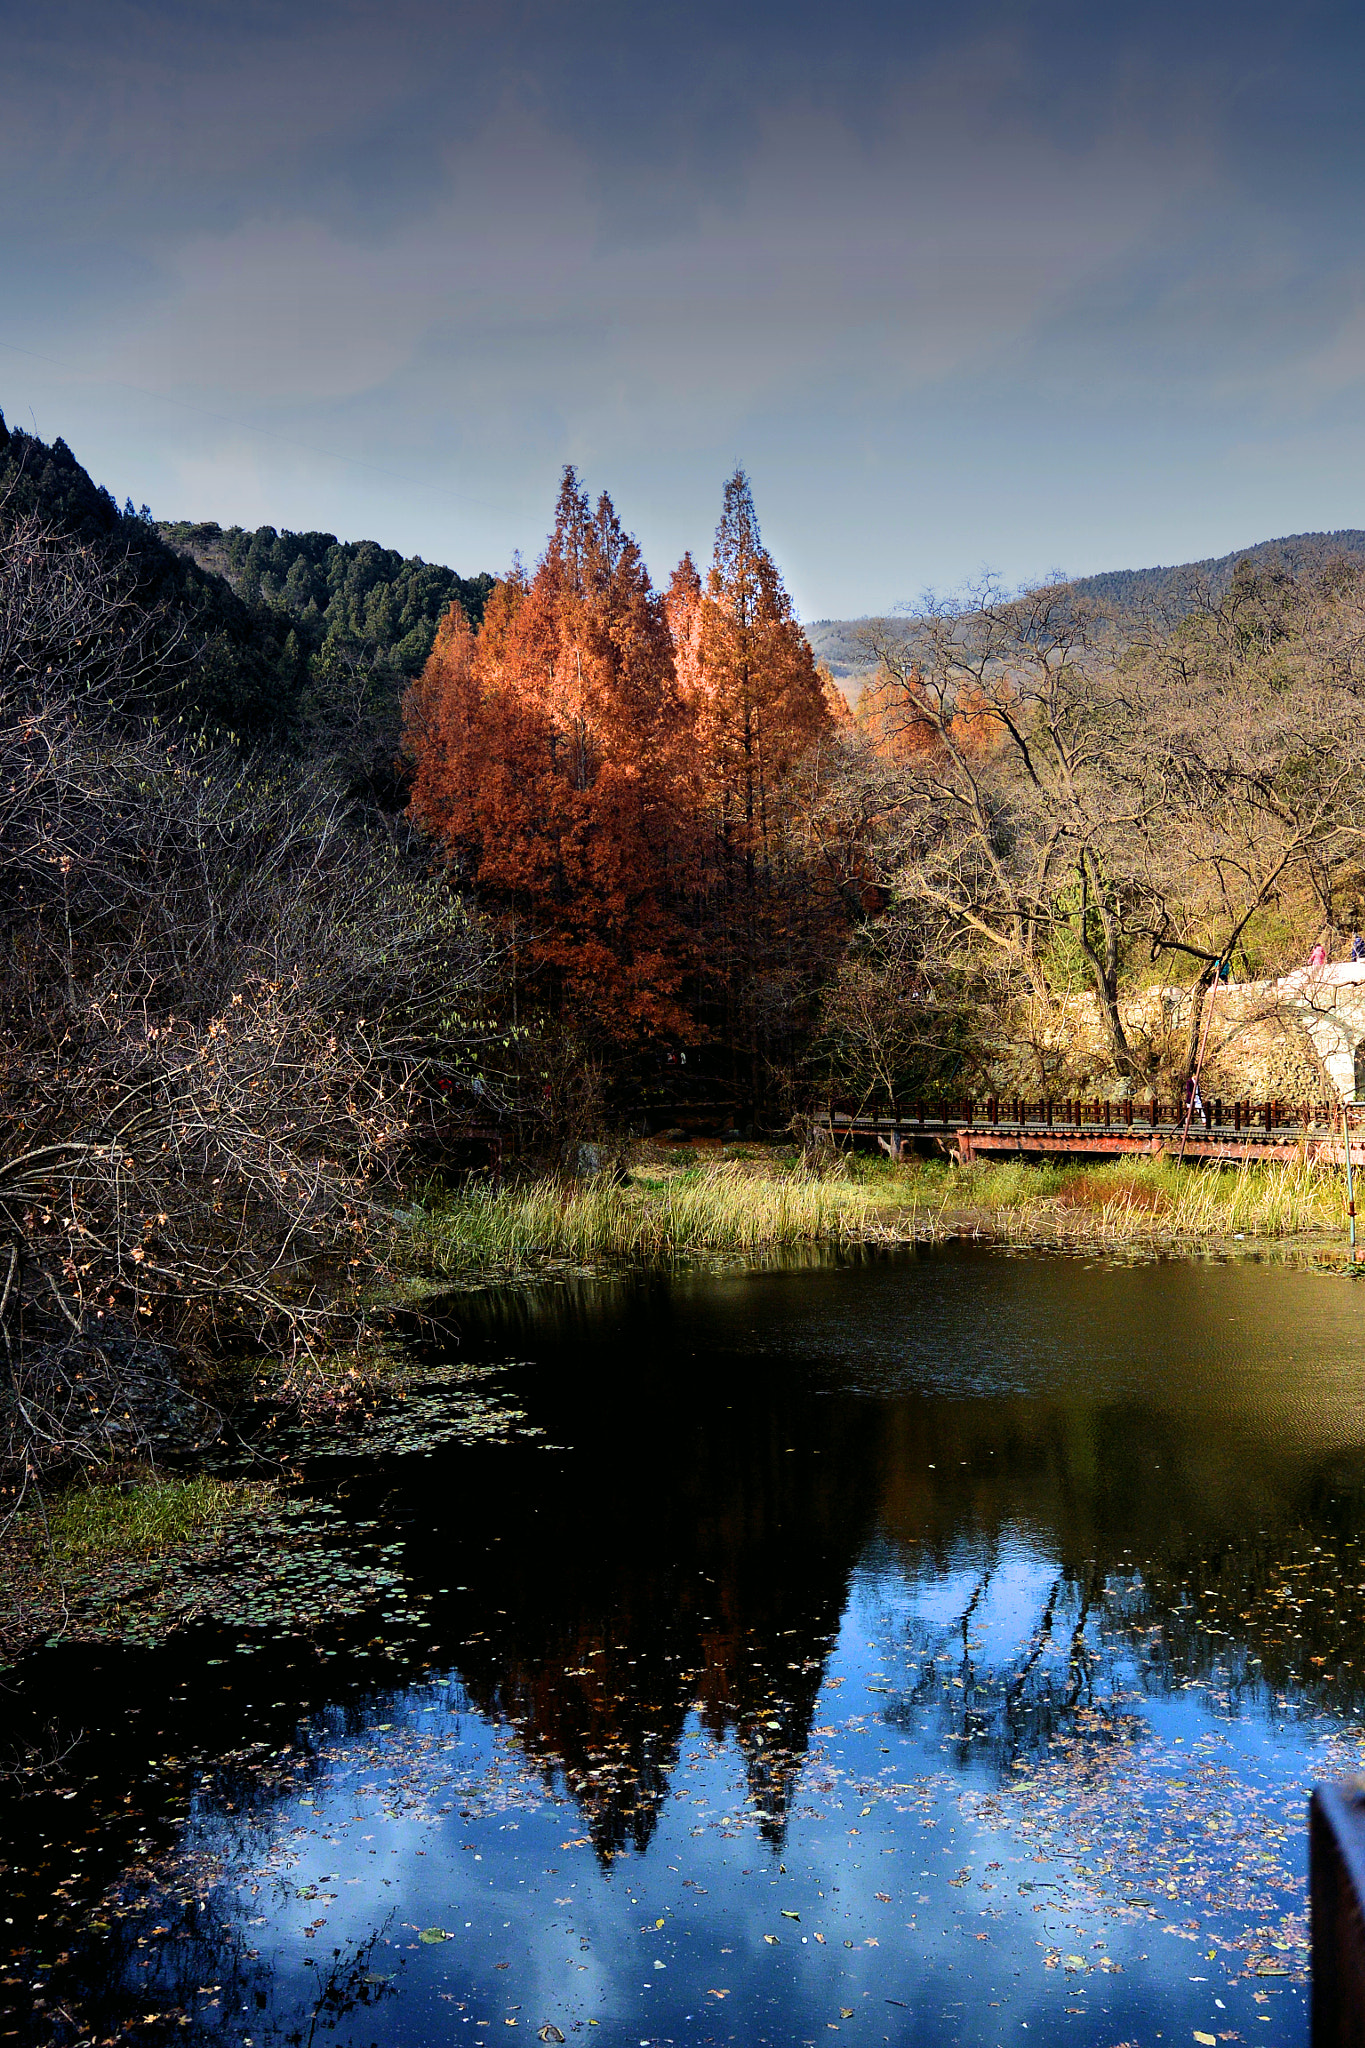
272	631
341	598
231	664
1178	588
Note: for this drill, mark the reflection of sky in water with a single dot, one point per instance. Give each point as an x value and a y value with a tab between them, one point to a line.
925	1652
927	1909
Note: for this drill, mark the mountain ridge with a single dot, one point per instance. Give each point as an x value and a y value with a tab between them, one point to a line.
1164	586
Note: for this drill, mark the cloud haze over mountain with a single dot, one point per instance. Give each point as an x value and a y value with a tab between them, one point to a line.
1021	285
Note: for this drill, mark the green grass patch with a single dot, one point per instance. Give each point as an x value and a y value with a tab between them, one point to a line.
141	1517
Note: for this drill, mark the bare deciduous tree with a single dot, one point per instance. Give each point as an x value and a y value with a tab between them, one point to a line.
223	1006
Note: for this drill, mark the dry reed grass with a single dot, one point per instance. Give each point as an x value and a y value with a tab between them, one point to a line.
717	1209
749	1208
1156	1200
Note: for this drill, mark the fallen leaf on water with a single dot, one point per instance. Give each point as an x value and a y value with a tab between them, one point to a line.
1206	2040
845	2012
787	1915
549	2033
658	1923
771	1940
432	1934
820	1938
719	1994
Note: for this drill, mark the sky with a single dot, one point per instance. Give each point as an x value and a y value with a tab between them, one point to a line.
989	285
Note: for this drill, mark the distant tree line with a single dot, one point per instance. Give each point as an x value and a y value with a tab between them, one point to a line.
343	605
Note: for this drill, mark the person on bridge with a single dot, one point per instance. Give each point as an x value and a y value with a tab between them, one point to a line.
1357	946
1318	956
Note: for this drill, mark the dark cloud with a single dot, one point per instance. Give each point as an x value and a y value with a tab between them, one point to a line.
1025	284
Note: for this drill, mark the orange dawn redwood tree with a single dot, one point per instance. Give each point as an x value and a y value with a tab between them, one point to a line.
623	773
548	755
759	707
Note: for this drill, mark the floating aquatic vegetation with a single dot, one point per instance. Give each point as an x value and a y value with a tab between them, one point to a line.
277	1567
431	1406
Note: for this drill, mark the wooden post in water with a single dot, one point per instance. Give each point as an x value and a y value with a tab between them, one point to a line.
1336	1879
1350	1182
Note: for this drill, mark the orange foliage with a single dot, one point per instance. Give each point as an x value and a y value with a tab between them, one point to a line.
601	760
904	719
546	757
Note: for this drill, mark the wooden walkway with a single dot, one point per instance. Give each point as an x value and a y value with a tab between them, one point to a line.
1078	1130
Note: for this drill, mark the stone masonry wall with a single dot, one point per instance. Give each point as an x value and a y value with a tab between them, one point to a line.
1292	1040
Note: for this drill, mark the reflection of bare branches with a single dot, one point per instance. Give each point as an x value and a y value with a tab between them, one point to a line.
1042	1636
37	1760
1082	1660
350	1982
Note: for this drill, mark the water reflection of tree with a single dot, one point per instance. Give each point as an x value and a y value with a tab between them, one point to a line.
92	1831
696	1558
717	1579
1171	1551
170	1951
710	1582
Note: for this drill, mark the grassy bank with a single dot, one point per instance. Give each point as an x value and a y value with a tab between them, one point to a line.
138	1561
762	1200
658	1215
1131	1200
95	1561
142	1518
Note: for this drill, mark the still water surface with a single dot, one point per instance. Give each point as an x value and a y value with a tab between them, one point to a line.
934	1648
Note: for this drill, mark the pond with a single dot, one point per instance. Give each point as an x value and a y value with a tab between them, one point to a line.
929	1647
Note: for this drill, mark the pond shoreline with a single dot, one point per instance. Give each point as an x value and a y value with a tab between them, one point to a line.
669	1205
744	1206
